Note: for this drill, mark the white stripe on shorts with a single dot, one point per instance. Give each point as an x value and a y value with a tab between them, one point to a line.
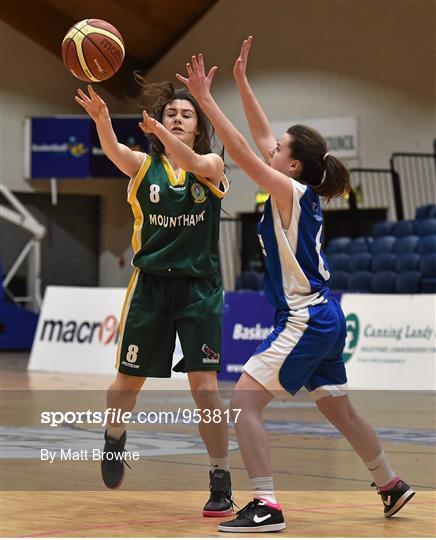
327	390
265	366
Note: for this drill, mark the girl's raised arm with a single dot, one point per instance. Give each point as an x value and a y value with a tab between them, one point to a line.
269	179
128	161
260	128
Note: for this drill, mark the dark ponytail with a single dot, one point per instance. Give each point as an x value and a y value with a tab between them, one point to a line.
324	173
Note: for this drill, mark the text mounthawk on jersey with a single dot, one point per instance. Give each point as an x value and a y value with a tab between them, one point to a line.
176	226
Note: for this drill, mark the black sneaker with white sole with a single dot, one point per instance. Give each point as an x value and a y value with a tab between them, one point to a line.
112	464
220	502
257	516
395	498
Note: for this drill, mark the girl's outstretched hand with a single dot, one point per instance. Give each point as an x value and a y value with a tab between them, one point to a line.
148	124
197	82
93	104
240	67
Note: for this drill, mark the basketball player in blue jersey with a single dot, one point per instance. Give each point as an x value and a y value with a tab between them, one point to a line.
305	347
175	193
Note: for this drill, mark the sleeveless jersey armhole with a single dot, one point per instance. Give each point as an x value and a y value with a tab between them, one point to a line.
220	193
136	180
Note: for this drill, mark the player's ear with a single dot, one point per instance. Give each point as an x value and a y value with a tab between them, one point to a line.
295	167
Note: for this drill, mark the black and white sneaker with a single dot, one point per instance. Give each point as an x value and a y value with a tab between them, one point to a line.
257	516
220	502
395	498
112	464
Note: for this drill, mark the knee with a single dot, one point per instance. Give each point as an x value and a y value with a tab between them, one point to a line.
125	387
241	406
205	396
342	413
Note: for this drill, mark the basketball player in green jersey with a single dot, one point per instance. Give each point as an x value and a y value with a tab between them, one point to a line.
175	193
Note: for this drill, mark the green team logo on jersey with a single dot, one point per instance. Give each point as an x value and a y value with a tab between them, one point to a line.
353	331
198	192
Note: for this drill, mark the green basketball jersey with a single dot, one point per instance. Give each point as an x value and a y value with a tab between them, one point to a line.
176	225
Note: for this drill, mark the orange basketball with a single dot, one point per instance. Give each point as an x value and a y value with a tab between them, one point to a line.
93	50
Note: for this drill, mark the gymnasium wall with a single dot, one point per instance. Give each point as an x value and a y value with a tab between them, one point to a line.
34	82
372	60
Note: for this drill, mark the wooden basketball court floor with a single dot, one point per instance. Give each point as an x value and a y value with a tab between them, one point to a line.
322	485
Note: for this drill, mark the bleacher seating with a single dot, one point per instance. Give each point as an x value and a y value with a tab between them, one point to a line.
426	226
406	244
359	262
338	245
383	282
383	262
399	257
357	245
383	244
408	282
425	212
408	262
360	282
383	228
339	281
339	262
404	228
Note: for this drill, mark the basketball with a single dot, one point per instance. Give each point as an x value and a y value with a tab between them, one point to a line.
93	50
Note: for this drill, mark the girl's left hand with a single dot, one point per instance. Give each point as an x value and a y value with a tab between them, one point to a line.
148	124
197	82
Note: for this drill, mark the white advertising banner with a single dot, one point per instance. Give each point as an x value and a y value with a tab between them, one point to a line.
391	341
78	331
339	132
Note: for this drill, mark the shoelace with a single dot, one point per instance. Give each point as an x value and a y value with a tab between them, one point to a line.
118	449
247	511
218	491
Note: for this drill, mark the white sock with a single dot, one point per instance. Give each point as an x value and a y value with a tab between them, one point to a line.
263	488
380	470
219	463
115	432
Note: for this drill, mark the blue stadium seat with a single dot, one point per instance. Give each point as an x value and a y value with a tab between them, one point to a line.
383	244
359	262
432	212
407	244
427	244
428	269
382	228
408	283
383	262
360	282
404	228
338	245
249	280
428	265
423	212
383	282
358	245
426	226
338	261
339	281
408	262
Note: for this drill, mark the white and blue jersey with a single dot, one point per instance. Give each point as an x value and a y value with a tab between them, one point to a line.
296	271
305	347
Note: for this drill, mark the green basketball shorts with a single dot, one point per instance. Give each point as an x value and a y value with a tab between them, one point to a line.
155	308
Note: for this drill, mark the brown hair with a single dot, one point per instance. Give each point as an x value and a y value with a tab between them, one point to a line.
157	96
328	176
